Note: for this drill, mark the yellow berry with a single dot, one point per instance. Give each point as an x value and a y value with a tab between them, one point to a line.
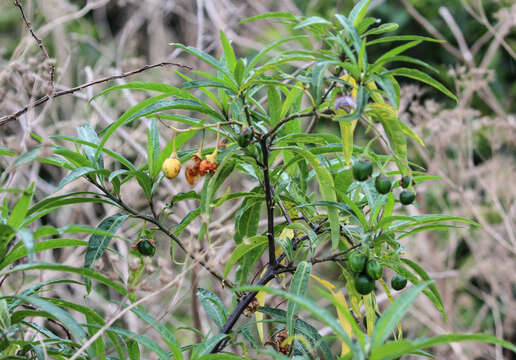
171	167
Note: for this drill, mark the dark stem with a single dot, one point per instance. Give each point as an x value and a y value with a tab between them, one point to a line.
269	202
246	299
240	307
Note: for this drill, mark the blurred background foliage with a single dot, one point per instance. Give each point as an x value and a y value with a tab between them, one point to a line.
471	145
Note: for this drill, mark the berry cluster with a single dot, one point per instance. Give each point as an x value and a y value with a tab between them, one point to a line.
367	271
363	169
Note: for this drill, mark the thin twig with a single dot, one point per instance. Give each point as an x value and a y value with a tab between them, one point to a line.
164	230
5	119
51	67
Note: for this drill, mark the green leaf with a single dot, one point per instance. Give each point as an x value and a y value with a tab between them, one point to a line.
213	306
247	218
20	209
302	327
318	76
229	54
150	86
208	59
97	244
62	316
393	52
383	28
269	47
144	181
223	356
153	149
270	15
242	249
85	132
352	33
88	273
28	240
394	313
347	131
191	216
351	204
401	38
133	350
312	20
224	169
165	333
431	286
421	76
79	172
274	104
448	338
358	12
207	345
20	252
298	288
6	152
317	311
326	188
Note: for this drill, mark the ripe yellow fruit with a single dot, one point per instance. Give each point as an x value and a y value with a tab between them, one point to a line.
171	167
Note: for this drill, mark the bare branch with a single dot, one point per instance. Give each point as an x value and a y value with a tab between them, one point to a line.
5	119
51	67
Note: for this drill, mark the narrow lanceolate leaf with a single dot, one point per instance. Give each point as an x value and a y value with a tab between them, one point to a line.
62	316
213	306
297	287
421	76
79	172
340	298
242	249
317	311
149	86
27	237
97	244
207	345
358	12
347	131
326	188
394	314
20	209
229	54
153	149
85	132
133	350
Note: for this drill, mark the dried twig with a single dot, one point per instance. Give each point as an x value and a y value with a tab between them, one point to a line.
5	119
51	67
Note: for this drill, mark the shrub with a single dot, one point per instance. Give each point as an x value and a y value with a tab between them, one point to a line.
302	176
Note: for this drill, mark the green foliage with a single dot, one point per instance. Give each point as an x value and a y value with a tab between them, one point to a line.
306	179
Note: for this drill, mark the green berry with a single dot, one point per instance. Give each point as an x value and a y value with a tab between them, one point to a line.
244	137
407	197
146	247
362	170
374	269
357	262
398	282
382	184
405	181
364	284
